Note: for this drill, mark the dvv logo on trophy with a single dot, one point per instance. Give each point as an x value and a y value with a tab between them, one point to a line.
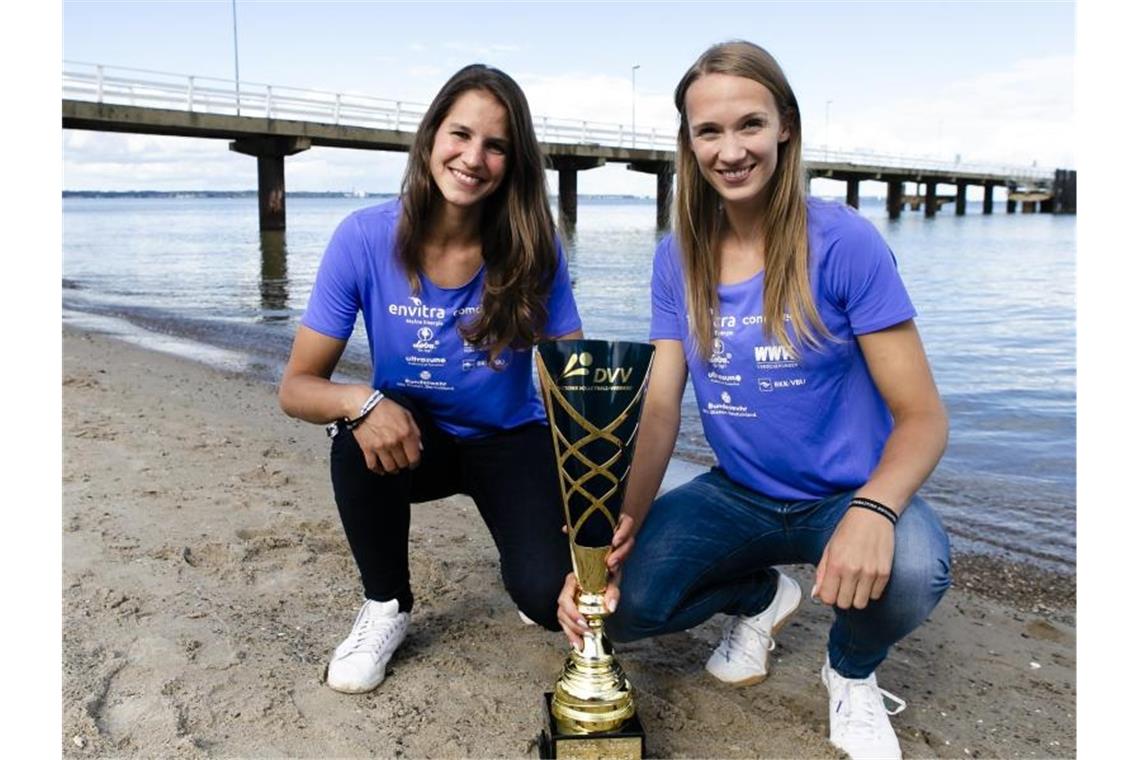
579	365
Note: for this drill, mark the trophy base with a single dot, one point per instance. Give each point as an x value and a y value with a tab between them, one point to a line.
627	741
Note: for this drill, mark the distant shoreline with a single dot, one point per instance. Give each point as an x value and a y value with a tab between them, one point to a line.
288	194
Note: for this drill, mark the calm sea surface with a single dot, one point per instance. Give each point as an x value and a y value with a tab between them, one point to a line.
995	297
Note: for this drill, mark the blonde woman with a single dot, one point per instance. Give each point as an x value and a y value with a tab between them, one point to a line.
789	315
457	279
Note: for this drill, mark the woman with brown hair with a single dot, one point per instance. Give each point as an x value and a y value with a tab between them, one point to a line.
457	279
789	315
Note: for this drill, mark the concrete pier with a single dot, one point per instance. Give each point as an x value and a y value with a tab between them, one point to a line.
894	199
664	172
270	153
960	200
568	168
1065	191
988	198
271	139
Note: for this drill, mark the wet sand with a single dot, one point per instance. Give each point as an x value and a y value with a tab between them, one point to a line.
206	579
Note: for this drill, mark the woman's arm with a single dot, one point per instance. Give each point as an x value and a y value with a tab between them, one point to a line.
388	436
657	435
856	564
306	391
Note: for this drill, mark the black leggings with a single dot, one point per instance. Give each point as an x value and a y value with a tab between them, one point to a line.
512	479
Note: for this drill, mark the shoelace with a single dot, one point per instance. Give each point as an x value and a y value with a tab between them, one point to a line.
736	642
370	633
863	701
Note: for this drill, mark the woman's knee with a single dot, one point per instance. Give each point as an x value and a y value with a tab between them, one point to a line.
921	569
536	595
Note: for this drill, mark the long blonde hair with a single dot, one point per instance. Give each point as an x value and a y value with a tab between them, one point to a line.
699	220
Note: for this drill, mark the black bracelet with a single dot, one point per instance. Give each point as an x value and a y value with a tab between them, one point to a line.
874	506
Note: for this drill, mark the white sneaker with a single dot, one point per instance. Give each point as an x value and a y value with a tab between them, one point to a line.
525	620
358	664
741	658
859	723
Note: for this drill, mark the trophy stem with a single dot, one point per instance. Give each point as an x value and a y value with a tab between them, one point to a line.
592	695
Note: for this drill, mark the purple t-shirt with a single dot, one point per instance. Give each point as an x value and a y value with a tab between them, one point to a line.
793	429
414	341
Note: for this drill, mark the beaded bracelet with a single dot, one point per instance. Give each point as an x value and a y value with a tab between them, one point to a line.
877	507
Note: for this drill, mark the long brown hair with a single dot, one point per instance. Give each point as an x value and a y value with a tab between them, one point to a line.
699	218
516	228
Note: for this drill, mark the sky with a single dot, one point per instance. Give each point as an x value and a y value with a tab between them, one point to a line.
986	82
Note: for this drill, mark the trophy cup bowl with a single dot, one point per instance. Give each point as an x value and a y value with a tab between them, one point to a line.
593	391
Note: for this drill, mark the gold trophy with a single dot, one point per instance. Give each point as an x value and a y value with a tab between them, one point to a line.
593	392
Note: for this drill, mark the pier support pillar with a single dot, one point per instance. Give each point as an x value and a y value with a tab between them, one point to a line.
568	168
930	204
894	199
960	200
270	153
853	193
664	171
1010	205
664	197
1029	207
1065	191
567	200
988	199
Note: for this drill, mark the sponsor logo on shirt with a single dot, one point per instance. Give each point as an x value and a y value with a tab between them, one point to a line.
726	407
725	325
773	357
500	362
721	356
767	384
425	361
418	312
716	377
425	340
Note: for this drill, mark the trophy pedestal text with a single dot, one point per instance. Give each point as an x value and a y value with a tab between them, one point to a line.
626	741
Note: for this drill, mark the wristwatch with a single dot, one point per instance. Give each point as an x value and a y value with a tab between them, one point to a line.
333	427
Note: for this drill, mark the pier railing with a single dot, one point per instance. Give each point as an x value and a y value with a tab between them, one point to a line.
157	89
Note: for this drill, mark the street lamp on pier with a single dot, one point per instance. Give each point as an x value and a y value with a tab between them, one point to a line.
633	102
237	77
826	128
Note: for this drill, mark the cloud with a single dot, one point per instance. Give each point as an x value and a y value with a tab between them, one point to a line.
597	98
1012	116
477	49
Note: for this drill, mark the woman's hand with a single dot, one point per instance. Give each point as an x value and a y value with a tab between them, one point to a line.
389	439
621	545
856	563
571	620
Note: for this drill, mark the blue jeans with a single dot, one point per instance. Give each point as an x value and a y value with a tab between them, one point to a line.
709	546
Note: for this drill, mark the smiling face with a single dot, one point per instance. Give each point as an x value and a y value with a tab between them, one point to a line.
469	153
735	130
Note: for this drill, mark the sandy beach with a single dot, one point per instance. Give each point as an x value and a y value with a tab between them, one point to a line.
206	579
